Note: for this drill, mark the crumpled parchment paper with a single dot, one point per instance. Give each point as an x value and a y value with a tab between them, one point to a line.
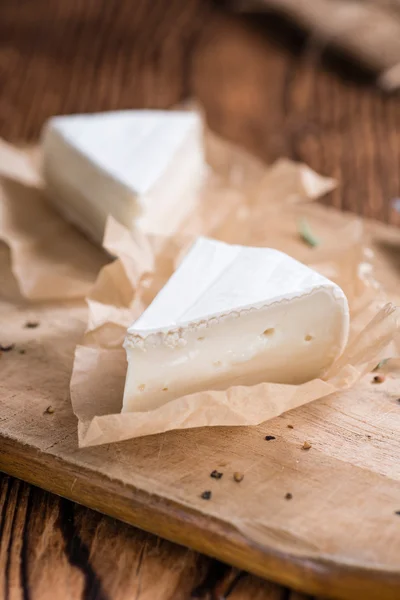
264	211
242	202
50	259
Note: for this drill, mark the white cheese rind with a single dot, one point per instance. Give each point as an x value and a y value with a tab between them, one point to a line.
233	315
142	167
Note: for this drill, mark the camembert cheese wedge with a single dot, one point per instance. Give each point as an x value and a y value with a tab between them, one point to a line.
143	167
233	315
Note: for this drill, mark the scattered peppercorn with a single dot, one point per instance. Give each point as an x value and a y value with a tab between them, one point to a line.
49	410
22	351
238	477
369	436
290	427
31	324
216	474
206	495
6	348
288	496
270	437
306	446
397	512
378	379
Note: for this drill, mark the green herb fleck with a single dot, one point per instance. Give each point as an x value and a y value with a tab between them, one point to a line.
306	234
381	364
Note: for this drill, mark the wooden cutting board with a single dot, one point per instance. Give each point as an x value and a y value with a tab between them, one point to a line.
337	534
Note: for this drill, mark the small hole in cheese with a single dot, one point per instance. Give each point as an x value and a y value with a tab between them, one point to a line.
165	389
269	332
308	338
141	387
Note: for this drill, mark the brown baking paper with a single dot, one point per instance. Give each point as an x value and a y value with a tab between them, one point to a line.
243	202
262	209
50	259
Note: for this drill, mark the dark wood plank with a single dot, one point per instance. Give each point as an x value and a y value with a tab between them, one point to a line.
83	56
90	55
261	83
248	587
214	537
264	87
33	559
51	548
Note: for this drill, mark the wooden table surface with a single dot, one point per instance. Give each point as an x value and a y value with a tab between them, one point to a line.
262	84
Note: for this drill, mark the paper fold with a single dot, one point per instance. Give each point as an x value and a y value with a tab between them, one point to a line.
241	202
268	216
50	259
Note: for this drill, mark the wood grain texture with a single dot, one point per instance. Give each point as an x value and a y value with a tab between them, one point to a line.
320	541
270	90
262	86
346	25
51	548
261	82
150	513
83	55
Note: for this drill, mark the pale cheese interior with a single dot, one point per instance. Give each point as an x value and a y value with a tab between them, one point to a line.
287	342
